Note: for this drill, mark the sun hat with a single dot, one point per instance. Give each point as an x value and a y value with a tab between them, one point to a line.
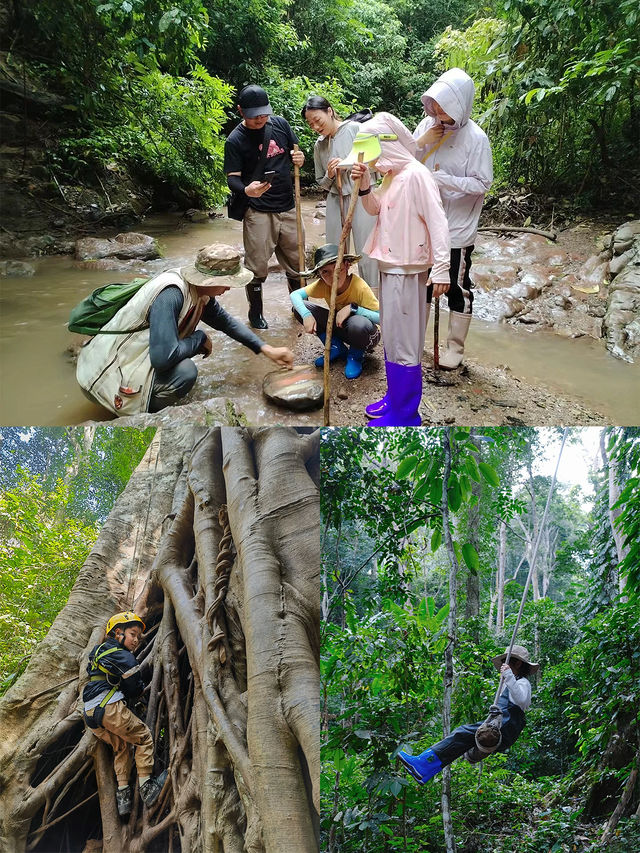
254	101
369	145
518	652
216	265
324	255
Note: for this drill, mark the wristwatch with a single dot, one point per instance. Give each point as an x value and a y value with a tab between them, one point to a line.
354	308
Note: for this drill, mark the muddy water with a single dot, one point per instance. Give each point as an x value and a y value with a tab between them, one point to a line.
37	381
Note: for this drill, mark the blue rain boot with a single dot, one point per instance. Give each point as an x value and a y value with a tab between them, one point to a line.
380	407
355	358
338	350
422	767
404	395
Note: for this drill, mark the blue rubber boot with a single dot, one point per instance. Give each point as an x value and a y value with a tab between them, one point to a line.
379	408
355	358
404	395
422	767
338	350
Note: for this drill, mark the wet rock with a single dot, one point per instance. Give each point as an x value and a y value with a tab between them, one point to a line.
623	310
297	389
624	236
17	269
106	264
618	263
123	246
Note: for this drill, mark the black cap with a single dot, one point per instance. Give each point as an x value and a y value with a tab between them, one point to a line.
254	101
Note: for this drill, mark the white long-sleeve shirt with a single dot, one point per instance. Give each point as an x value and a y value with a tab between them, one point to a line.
462	165
519	690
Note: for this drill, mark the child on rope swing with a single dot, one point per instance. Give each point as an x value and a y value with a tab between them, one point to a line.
114	677
513	702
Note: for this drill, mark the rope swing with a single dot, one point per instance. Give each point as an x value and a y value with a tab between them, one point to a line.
489	734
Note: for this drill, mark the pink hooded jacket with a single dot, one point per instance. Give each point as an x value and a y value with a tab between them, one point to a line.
411	228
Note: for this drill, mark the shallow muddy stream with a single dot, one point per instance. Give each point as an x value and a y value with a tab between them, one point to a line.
37	378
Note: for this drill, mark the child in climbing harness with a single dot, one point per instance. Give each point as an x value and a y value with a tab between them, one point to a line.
477	740
114	677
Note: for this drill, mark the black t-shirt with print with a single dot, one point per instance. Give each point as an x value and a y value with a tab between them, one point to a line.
241	154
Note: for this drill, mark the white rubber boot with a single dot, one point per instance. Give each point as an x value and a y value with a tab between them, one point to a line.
458	329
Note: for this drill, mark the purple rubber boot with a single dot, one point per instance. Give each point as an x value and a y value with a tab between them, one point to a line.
379	408
403	396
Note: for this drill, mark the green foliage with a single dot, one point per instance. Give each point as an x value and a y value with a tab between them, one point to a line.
41	555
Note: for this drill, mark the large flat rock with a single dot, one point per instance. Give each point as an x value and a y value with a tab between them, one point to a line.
298	389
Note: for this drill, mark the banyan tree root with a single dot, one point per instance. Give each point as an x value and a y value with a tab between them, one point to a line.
231	656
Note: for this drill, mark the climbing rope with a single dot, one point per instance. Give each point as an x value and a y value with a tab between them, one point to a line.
224	564
133	578
486	733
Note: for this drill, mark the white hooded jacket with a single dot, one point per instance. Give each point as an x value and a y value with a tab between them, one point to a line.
462	165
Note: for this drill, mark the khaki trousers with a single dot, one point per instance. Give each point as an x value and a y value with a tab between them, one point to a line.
121	729
264	233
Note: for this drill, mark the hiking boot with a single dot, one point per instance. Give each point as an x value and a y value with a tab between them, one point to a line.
151	789
123	800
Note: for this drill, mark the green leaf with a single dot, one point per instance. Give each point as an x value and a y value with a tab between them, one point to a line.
471	557
436	539
490	474
454	495
406	466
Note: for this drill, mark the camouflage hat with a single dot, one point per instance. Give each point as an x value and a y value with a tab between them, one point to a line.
217	265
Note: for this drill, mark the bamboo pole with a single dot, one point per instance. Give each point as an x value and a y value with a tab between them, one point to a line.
436	335
296	180
346	228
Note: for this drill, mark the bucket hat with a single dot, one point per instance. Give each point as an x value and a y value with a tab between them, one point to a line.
367	144
518	652
216	265
254	101
324	255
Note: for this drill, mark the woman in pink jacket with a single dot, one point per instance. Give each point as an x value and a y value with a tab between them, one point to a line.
410	237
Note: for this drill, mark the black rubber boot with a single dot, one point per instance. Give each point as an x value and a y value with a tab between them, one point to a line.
254	296
293	284
123	800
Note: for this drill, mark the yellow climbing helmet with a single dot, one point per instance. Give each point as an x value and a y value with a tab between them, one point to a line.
124	618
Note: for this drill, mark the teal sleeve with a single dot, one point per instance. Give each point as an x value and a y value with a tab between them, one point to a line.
374	316
297	297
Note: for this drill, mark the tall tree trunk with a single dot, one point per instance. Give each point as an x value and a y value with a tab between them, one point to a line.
452	631
612	469
500	575
215	542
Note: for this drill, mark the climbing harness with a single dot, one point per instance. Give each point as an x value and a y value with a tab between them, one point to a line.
489	734
101	674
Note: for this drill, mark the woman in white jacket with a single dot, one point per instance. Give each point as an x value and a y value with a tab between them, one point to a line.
457	153
513	702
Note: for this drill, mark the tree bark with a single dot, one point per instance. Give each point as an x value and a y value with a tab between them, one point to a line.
452	631
215	542
612	469
500	575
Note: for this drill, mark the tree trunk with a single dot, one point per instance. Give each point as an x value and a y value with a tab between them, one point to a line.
500	575
611	466
452	631
215	542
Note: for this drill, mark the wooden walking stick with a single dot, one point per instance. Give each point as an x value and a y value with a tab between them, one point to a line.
339	184
296	181
436	335
346	228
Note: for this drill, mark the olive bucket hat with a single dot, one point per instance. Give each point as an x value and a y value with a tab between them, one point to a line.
324	255
518	652
217	265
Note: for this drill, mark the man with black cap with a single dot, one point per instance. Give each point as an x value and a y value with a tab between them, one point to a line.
269	223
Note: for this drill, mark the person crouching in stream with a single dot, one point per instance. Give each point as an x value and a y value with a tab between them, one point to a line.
355	328
514	701
410	238
143	362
